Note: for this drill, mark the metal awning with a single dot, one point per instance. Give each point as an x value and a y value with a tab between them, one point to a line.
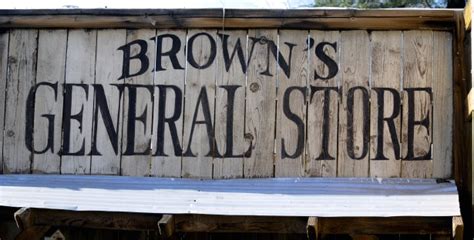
323	197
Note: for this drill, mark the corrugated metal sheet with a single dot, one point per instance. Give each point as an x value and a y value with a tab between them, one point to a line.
328	197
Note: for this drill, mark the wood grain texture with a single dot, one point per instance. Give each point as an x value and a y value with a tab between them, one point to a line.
355	54
169	163
140	99
51	69
288	161
80	69
442	105
234	74
200	84
234	18
260	104
108	69
417	73
316	165
386	63
20	78
4	37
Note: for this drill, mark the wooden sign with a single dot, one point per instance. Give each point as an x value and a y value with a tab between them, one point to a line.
210	103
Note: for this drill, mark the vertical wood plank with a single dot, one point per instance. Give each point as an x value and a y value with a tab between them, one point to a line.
4	36
385	72
442	105
168	163
51	69
290	136
260	103
107	72
322	160
418	73
199	104
355	77
80	69
233	74
138	102
20	78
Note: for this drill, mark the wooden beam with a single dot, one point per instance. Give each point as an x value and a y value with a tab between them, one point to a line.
391	225
33	233
27	217
233	18
166	226
207	223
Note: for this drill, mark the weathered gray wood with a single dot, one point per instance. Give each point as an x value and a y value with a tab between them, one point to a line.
51	69
234	18
354	72
80	69
136	161
166	226
168	164
108	70
20	78
442	105
288	136
199	82
231	167
4	37
386	63
318	165
418	72
260	104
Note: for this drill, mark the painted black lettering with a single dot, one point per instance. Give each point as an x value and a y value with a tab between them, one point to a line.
68	116
297	120
350	123
141	56
324	155
171	121
175	47
389	120
202	101
328	61
30	114
237	49
101	105
132	118
412	122
212	51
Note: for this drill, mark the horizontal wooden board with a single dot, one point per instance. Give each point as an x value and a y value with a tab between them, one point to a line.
234	18
207	103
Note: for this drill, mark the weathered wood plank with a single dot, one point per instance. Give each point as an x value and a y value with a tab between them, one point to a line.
199	104
230	117
390	225
418	73
235	18
354	116
168	103
4	37
20	78
292	93
206	223
138	104
260	103
107	114
385	73
51	69
322	133
442	105
29	217
80	71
